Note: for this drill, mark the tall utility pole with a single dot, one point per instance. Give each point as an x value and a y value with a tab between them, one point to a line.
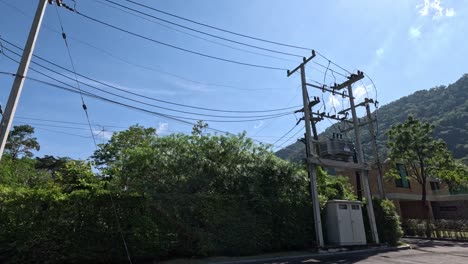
310	151
364	171
375	149
21	73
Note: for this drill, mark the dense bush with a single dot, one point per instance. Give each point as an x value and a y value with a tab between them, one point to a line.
439	228
48	226
174	196
388	221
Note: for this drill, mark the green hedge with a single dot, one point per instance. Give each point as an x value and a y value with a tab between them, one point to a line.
387	220
47	226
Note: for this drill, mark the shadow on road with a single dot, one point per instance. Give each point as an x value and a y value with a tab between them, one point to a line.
347	258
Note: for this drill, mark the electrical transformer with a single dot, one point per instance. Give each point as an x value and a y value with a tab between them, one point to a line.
336	149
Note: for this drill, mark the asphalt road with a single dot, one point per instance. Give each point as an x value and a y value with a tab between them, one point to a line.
423	251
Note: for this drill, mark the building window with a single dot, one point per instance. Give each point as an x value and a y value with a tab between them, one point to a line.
435	186
403	181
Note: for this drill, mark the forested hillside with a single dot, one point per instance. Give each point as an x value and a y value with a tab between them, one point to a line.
445	107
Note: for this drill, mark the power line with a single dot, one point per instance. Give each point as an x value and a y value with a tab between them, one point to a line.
64	122
321	55
46	123
140	95
237	34
202	32
177	47
64	36
56	131
85	109
217	28
116	57
287	140
56	126
146	110
192	35
259	117
289	131
272	121
174	118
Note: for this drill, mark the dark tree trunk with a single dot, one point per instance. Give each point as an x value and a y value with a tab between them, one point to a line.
424	200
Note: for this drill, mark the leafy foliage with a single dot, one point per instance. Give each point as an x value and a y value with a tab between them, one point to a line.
389	225
411	144
174	196
20	142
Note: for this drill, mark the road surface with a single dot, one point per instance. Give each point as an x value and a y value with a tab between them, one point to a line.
423	251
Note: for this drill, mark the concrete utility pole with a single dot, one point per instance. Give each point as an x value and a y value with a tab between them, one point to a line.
364	172
310	151
21	73
314	160
374	147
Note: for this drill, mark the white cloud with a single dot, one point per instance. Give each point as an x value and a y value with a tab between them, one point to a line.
379	52
162	128
414	32
450	12
360	91
103	134
333	101
258	125
435	9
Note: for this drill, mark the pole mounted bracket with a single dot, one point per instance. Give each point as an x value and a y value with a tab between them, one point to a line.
304	61
351	79
58	2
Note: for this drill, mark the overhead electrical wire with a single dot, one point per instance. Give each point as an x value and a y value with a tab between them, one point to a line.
202	32
55	131
85	109
238	34
64	36
79	125
281	44
91	95
192	35
149	111
55	126
264	126
148	104
119	58
65	122
140	95
223	30
289	131
177	47
288	140
217	28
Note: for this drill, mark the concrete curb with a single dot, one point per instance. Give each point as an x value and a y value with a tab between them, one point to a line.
316	255
436	239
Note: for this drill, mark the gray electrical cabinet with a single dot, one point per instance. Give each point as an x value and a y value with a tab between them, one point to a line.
344	221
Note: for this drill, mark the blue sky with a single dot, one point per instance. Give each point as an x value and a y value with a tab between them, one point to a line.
403	46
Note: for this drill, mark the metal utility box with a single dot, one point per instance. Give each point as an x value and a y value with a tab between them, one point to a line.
345	225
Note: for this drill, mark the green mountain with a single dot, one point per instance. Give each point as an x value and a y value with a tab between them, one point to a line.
444	106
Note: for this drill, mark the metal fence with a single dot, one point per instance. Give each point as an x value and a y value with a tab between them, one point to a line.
440	228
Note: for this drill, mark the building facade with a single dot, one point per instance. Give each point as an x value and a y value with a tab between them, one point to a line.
406	194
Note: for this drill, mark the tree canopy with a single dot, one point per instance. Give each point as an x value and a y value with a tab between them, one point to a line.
411	143
21	142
